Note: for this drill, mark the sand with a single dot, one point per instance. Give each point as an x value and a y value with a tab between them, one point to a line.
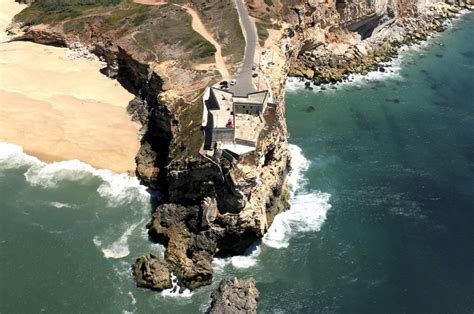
62	109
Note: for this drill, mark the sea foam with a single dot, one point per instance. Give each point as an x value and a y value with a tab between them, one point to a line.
116	188
306	214
119	248
174	291
308	208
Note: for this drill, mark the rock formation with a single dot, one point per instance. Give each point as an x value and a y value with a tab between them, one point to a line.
219	208
235	296
338	38
151	272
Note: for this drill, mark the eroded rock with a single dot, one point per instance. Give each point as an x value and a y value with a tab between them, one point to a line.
152	272
235	296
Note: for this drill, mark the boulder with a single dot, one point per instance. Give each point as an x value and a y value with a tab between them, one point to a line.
235	296
152	272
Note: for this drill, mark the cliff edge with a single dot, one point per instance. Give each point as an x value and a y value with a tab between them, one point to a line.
218	204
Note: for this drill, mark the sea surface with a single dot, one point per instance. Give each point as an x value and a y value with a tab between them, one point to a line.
382	207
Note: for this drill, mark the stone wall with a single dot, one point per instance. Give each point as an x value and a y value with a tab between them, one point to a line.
223	135
245	142
243	108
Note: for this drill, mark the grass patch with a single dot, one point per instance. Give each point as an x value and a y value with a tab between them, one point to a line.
220	17
262	32
189	141
53	11
172	28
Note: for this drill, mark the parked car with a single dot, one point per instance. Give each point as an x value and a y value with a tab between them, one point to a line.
233	82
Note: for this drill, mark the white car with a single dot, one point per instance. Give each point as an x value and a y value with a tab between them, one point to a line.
233	82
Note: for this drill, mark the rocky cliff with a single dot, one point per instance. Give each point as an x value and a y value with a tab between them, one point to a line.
336	38
207	208
216	209
235	296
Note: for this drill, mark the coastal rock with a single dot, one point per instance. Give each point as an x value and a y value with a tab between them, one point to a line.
151	272
189	251
235	296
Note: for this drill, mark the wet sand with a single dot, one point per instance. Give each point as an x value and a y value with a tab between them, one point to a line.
62	109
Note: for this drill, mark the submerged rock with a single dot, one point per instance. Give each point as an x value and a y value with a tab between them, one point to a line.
152	272
235	296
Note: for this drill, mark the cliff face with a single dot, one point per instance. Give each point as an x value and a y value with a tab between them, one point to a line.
337	38
216	209
207	208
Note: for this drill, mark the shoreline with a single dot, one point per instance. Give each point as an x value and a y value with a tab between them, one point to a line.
58	106
391	67
322	67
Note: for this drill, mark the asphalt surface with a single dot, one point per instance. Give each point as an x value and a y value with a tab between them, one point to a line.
244	85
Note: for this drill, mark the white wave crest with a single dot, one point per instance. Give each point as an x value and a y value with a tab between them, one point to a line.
174	291
249	259
61	205
134	301
116	188
119	249
218	264
308	209
12	156
49	175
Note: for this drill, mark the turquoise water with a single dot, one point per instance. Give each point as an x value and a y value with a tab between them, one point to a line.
381	221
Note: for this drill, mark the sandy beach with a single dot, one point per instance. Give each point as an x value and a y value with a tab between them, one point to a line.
62	109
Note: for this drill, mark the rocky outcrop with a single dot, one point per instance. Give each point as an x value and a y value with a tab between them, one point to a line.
361	35
151	272
220	207
235	296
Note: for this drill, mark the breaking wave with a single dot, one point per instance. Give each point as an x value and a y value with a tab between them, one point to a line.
116	188
249	259
392	71
119	248
176	290
307	214
308	208
61	205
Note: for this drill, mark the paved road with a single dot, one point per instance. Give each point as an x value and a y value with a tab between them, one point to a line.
244	78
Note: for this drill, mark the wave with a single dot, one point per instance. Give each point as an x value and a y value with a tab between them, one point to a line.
61	205
392	72
307	214
308	208
249	259
392	68
175	290
119	248
13	157
116	188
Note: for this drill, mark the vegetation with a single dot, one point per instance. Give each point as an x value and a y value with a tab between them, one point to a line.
157	30
173	28
52	11
262	32
188	143
221	18
268	2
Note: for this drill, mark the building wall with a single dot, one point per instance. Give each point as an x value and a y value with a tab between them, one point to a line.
254	109
223	135
245	142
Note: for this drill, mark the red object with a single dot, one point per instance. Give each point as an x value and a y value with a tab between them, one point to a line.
229	124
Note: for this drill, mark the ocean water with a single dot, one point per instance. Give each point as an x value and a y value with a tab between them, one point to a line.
381	218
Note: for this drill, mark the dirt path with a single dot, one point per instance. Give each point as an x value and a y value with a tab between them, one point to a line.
199	27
